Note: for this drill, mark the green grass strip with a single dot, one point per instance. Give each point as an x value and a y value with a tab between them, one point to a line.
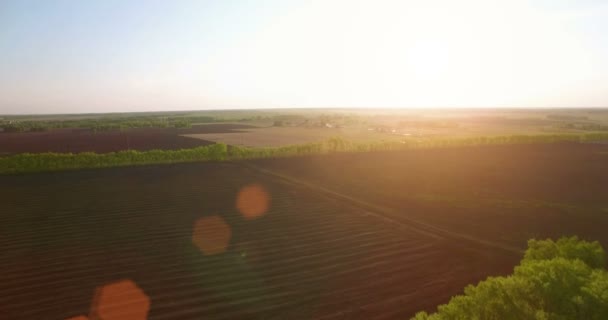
28	162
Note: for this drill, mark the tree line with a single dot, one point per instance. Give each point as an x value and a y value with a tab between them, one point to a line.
101	124
28	162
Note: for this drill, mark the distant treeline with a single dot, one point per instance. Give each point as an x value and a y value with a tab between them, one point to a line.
28	162
566	117
584	126
105	123
432	124
27	124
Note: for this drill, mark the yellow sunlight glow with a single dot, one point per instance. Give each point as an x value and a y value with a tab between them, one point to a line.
405	54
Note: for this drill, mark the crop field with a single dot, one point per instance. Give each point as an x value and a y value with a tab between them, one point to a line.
307	256
320	215
505	193
342	236
86	140
391	125
285	136
265	128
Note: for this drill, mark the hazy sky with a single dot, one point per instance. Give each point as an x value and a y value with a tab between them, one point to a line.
97	56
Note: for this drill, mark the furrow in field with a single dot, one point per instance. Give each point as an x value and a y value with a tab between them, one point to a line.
308	249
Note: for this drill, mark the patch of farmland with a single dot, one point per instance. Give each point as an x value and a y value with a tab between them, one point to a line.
182	234
86	140
505	194
282	136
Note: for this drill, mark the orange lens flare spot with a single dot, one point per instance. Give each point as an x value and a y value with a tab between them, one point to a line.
211	235
122	300
253	201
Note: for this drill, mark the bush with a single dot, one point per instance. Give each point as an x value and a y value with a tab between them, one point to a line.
566	279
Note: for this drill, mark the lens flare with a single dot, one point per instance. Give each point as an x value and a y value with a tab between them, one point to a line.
211	235
122	300
253	201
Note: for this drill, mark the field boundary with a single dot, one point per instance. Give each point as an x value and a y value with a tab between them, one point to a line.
28	162
386	213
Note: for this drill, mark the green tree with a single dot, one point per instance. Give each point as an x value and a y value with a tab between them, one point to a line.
558	280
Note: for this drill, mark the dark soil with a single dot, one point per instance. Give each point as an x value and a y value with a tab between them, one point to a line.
86	140
313	255
64	234
503	193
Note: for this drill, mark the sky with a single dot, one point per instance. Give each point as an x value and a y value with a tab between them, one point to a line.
70	56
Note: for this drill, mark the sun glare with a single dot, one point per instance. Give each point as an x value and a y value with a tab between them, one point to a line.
320	53
408	54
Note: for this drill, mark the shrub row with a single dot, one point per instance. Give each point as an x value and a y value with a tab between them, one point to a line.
101	124
219	152
28	162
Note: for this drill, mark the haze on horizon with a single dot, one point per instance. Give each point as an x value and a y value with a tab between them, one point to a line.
137	55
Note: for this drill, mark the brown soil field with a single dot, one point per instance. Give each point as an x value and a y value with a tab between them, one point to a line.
506	194
343	236
309	256
283	136
83	140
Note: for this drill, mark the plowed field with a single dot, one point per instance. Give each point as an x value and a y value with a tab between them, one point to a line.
86	140
348	236
505	193
308	256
